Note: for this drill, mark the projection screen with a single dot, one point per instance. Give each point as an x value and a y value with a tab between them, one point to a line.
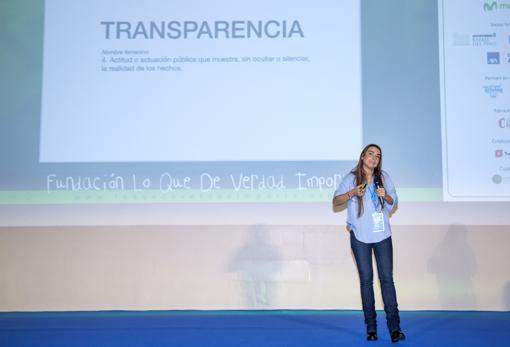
221	112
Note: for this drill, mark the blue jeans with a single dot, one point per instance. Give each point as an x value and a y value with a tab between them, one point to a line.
383	251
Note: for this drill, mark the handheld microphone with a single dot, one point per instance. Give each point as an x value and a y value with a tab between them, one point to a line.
378	184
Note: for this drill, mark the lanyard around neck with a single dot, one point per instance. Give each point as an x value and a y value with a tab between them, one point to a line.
373	195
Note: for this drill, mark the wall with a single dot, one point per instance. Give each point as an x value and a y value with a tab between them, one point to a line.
455	267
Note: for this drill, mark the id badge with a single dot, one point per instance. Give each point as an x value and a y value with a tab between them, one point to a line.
378	220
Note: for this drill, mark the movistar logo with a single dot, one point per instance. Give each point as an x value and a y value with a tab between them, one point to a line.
494	5
490	6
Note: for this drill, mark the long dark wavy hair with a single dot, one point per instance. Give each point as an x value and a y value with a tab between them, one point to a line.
359	174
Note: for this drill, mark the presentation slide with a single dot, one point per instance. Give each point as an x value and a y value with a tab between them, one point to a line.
202	81
475	81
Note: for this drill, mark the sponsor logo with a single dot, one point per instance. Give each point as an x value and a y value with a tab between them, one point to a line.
497	179
493	58
501	152
461	39
484	39
493	90
504	122
490	6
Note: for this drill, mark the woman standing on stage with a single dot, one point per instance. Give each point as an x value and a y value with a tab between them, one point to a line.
370	196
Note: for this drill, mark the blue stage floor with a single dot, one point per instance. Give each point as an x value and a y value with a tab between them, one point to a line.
247	328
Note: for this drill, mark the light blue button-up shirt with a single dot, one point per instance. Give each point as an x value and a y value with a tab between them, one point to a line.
363	226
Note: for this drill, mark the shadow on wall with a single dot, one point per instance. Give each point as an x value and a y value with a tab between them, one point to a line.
506	295
257	264
454	264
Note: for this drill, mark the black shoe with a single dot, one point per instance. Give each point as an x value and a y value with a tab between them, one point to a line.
372	336
397	335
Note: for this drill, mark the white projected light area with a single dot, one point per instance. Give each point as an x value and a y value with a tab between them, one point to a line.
201	81
475	80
